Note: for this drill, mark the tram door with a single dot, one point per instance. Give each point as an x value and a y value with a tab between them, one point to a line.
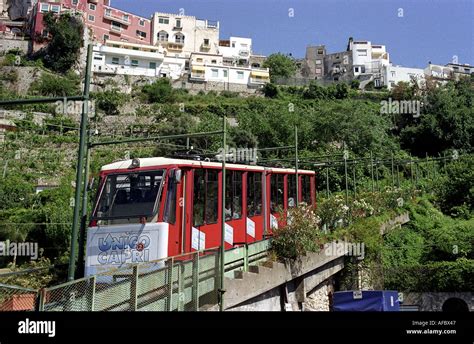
277	199
235	219
203	215
254	206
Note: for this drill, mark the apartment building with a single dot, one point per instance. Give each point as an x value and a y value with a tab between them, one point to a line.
439	73
125	58
461	70
181	35
392	75
236	50
104	22
215	68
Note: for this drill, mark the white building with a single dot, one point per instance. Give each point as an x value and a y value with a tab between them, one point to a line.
236	50
127	59
181	35
368	58
212	68
461	70
439	73
392	75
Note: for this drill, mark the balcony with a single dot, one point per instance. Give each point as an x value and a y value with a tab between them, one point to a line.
116	29
118	19
205	46
244	53
148	55
175	46
177	28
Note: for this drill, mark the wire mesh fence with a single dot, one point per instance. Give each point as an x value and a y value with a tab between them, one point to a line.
181	283
13	298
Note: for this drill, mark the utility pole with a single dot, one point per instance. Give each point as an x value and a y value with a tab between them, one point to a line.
80	165
296	166
222	249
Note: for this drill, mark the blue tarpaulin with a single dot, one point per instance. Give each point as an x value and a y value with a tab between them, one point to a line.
366	301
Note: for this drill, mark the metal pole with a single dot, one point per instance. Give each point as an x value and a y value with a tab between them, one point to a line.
327	179
296	166
345	174
354	177
80	166
372	171
222	250
393	175
83	227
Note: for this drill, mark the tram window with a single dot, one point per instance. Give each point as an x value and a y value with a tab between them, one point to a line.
277	190
233	208
306	181
129	195
291	190
199	197
212	189
254	193
170	206
205	197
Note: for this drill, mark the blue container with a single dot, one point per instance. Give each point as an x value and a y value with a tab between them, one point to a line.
366	301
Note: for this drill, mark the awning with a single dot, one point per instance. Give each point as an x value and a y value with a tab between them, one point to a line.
199	68
260	74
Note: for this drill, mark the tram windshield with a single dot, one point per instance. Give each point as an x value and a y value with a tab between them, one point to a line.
129	195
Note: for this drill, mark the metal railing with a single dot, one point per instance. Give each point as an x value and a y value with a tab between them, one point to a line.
188	282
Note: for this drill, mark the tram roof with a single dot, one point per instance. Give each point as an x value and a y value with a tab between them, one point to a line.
160	161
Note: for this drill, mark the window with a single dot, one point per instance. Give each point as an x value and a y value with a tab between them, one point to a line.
178	23
225	73
215	73
233	199
116	26
55	8
92	7
291	190
141	34
115	60
318	71
129	195
91	18
254	193
240	75
75	2
163	20
392	73
141	22
179	38
45	33
126	17
306	188
206	41
320	52
361	52
170	205
205	197
199	59
152	65
44	8
134	63
106	37
467	70
276	192
108	12
163	36
233	44
318	62
356	69
214	61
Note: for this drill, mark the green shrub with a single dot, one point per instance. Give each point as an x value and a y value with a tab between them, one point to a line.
56	86
158	92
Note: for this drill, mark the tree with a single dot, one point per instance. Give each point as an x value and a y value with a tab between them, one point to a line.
158	92
66	33
270	90
110	101
281	66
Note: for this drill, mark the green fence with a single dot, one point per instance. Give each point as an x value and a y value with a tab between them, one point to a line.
187	282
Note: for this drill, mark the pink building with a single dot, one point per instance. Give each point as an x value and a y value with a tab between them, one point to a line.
105	22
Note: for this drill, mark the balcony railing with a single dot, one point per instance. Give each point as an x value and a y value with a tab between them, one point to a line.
118	19
117	29
197	76
258	81
205	46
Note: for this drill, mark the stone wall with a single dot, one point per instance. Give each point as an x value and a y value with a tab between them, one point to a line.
24	77
319	299
9	44
433	302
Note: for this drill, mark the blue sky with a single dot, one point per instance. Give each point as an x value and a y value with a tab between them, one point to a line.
430	30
